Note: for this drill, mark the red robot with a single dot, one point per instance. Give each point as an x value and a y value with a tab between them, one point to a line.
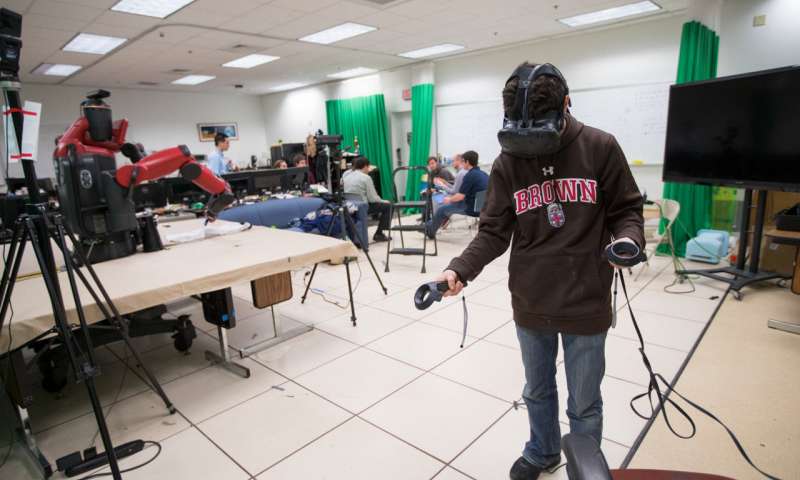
97	197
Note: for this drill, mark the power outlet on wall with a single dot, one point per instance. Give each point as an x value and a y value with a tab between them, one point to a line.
759	20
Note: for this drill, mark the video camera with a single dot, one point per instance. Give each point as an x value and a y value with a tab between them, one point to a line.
10	43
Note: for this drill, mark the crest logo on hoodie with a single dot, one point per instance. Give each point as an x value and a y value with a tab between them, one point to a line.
563	190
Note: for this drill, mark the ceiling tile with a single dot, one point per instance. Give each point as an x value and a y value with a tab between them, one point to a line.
206	18
232	7
101	4
225	40
302	27
369	39
18	6
419	8
172	34
31	34
127	20
71	58
383	19
346	11
261	19
65	10
54	23
412	27
304	5
113	30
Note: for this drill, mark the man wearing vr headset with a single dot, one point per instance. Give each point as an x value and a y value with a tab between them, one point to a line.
564	190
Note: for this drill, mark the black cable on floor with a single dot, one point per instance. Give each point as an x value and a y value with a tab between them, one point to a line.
149	461
662	397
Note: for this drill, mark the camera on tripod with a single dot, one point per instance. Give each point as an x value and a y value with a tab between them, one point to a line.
10	43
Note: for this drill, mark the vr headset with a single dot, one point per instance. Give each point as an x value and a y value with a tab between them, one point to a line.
527	137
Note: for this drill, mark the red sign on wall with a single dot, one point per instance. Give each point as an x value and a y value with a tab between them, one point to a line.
406	94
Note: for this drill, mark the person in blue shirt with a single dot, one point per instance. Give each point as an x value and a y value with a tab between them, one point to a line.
462	202
216	159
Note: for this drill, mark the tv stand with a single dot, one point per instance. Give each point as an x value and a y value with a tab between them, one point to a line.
741	275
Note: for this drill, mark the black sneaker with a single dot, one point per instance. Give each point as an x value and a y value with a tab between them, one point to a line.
380	237
525	470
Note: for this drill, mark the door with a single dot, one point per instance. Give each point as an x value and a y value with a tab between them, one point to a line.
401	147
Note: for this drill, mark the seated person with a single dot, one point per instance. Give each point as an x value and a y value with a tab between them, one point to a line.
358	182
301	161
458	164
438	171
281	163
463	202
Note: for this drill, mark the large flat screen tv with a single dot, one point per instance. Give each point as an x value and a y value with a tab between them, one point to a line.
741	131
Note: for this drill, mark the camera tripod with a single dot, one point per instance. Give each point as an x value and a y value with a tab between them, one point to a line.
37	227
341	214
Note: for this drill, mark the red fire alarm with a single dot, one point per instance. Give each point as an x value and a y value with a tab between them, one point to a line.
406	94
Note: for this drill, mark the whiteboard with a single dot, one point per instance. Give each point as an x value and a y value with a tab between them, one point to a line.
636	115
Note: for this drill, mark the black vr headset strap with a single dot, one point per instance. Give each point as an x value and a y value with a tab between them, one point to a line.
530	74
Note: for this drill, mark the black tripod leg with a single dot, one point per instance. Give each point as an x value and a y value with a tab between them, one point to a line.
113	316
350	224
308	285
85	372
350	292
15	253
314	270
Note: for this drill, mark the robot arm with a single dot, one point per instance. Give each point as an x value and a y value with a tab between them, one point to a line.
164	162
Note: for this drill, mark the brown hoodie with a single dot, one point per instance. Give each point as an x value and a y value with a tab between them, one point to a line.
559	277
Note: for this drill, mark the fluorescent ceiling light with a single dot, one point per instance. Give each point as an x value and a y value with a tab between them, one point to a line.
288	86
193	79
610	14
151	8
56	69
430	51
353	72
250	61
339	32
94	44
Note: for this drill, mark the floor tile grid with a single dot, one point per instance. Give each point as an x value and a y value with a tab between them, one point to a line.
357	414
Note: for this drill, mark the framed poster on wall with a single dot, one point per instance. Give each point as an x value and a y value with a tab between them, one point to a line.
207	131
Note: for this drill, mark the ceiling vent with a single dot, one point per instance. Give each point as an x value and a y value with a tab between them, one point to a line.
147	84
179	70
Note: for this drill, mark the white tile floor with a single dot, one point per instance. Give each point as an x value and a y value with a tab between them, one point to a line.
394	397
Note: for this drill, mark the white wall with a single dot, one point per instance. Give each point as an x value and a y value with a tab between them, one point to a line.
157	119
744	48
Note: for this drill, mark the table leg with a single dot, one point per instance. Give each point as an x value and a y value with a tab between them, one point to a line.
223	359
279	337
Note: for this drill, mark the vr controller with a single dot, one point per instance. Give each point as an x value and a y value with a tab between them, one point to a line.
430	292
625	254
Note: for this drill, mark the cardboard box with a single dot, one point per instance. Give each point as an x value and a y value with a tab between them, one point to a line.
775	257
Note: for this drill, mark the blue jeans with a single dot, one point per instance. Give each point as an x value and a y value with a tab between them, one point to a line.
584	361
442	213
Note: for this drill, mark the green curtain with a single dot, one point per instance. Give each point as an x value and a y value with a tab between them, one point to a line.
697	61
365	118
421	123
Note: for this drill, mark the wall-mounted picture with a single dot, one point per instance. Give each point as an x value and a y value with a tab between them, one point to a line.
207	131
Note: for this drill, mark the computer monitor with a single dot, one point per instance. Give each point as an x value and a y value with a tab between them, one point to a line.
150	195
180	190
269	179
240	183
294	178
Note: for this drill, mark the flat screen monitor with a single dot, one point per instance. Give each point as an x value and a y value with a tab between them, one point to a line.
269	179
741	131
180	190
294	178
240	183
150	195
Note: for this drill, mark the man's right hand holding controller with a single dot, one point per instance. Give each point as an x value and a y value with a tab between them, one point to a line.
453	282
